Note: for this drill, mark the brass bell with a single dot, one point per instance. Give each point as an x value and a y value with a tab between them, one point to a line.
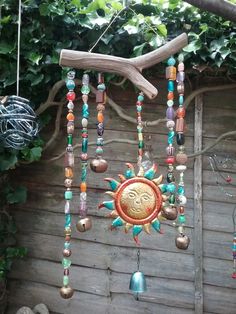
170	212
98	165
84	224
66	292
182	241
138	282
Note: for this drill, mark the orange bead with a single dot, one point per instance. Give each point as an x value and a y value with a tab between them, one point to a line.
83	187
69	172
100	117
181	112
170	96
70	117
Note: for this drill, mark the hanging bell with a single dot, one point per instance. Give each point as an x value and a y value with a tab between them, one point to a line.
138	282
182	241
66	292
84	224
98	165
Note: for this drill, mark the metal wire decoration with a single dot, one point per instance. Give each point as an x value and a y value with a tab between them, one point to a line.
18	124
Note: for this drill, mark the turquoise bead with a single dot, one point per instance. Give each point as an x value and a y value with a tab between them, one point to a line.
172	199
99	151
171	187
171	86
67	220
84	174
66	263
139	108
141	144
85	114
140	129
65	281
68	195
85	90
67	245
140	98
182	219
181	190
181	100
171	136
84	145
101	87
85	107
70	84
171	61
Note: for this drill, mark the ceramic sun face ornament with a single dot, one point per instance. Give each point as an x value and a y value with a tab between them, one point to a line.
137	201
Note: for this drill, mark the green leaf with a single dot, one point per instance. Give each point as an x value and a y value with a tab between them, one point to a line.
116	5
193	46
43	9
19	195
35	153
224	52
162	29
7	162
6	47
34	57
138	50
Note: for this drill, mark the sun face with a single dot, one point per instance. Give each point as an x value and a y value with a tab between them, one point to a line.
137	201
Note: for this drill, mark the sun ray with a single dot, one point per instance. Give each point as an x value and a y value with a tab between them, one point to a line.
110	193
118	222
127	227
107	204
113	214
113	183
156	225
150	173
130	171
122	178
147	228
158	180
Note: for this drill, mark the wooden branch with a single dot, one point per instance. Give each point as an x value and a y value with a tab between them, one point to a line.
129	68
222	8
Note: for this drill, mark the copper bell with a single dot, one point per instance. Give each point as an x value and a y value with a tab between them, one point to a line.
98	165
182	241
66	292
170	212
84	224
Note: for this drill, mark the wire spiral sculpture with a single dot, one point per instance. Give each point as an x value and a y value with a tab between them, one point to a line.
18	125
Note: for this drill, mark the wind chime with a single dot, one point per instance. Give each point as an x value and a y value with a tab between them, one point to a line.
18	125
139	199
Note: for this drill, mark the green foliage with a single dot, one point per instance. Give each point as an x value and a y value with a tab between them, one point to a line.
8	249
48	26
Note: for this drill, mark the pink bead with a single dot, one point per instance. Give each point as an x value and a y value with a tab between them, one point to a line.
170	124
84	156
170	151
85	98
181	66
234	276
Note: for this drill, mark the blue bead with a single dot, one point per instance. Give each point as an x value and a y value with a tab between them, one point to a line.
84	145
68	195
139	108
181	190
171	61
85	114
101	87
67	245
171	136
171	187
181	99
140	98
70	84
83	174
67	220
171	86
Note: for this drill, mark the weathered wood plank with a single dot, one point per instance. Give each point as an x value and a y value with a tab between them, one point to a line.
31	293
216	244
102	256
198	215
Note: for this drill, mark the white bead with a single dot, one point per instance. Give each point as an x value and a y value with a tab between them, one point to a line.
182	200
181	229
70	105
84	123
181	168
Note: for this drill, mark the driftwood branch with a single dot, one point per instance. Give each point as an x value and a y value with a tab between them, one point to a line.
221	7
129	68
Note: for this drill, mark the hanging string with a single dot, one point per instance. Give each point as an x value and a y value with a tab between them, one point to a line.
106	29
234	219
18	50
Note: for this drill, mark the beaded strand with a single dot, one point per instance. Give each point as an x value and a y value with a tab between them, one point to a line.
139	107
66	291
171	211
100	165
84	223
181	157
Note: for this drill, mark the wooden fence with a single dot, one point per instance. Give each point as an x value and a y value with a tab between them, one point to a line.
179	282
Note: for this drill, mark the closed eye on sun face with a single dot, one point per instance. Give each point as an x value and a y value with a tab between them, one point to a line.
145	197
132	194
